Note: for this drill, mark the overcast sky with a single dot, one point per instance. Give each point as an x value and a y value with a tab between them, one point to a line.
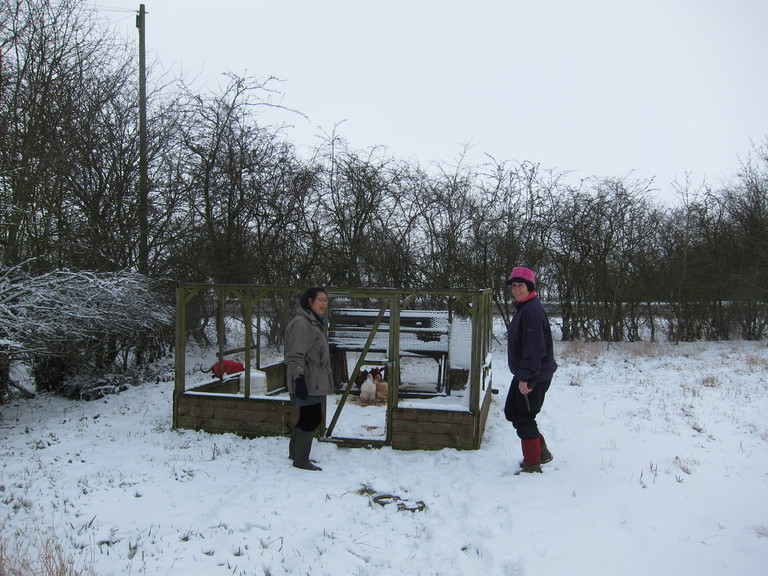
638	88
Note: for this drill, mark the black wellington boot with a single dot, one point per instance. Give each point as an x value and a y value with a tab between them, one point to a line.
292	444
546	455
302	450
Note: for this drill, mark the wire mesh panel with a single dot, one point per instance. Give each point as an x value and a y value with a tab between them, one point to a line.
421	358
231	335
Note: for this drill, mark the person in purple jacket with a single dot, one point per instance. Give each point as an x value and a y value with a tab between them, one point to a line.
532	363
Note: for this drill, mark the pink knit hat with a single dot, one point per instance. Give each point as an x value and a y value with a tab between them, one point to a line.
523	274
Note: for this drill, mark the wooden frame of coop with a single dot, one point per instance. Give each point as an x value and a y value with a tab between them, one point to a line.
386	327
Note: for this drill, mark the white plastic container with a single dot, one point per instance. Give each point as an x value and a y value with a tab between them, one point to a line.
258	383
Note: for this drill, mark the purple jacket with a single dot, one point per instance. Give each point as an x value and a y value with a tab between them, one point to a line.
529	343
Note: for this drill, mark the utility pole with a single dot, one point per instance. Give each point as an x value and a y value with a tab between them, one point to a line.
143	199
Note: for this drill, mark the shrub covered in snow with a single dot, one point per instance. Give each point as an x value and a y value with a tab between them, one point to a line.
65	324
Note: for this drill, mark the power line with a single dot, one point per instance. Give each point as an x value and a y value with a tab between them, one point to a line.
114	9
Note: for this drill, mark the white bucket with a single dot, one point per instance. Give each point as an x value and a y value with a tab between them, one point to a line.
258	382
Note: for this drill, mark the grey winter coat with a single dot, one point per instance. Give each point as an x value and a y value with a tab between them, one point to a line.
306	352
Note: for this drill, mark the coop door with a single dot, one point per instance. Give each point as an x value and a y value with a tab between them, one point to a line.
360	340
359	411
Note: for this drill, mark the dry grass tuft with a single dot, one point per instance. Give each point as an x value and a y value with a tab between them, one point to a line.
755	361
686	465
366	490
584	351
41	557
643	349
710	382
577	379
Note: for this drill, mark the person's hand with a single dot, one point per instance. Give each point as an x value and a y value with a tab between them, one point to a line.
524	389
300	387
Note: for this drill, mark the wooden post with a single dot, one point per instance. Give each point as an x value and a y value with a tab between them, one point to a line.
143	197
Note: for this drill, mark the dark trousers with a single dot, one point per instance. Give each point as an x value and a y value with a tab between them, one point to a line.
522	414
310	417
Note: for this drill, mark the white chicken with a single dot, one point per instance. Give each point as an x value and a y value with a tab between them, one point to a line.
368	391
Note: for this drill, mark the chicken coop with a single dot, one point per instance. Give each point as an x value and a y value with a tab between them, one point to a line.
412	368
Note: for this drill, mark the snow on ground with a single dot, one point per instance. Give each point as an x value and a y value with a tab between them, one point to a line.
661	467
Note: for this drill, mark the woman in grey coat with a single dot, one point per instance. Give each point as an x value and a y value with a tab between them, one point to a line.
309	373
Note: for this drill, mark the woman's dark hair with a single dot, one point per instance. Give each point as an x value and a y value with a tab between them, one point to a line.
310	294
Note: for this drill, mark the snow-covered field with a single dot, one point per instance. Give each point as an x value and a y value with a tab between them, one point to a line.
661	467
